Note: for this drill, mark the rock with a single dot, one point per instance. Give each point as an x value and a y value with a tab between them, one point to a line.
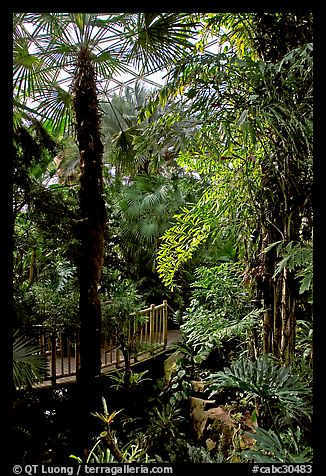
215	427
221	428
199	415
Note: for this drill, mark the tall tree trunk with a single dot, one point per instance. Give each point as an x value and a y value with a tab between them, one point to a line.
277	330
289	293
93	215
276	35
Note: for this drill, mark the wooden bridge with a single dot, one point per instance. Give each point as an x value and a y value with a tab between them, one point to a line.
61	349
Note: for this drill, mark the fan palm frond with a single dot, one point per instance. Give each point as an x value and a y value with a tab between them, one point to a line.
47	45
55	103
171	32
29	366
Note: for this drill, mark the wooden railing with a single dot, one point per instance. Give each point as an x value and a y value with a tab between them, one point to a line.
61	347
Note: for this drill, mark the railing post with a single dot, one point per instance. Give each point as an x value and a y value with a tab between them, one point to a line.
61	352
53	358
165	322
77	352
151	323
69	356
42	343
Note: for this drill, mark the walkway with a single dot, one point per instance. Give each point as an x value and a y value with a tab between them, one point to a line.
65	365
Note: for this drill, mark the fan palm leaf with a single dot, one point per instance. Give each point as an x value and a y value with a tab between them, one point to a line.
145	208
29	366
46	46
171	32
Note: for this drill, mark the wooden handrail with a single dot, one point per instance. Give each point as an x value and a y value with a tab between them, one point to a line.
62	351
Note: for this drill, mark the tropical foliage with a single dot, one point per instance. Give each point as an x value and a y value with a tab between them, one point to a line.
271	448
220	313
29	367
269	384
197	190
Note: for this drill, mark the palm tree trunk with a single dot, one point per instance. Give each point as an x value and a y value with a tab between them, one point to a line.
288	318
277	333
93	215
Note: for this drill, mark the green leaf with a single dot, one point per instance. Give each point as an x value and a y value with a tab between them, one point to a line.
281	265
254	416
306	283
105	56
77	458
243	117
272	245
